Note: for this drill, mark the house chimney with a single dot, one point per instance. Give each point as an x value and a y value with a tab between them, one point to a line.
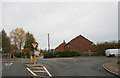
63	41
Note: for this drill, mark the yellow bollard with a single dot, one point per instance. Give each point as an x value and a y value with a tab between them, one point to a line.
30	57
34	59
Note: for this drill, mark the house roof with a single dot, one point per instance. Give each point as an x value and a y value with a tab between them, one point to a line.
64	43
79	37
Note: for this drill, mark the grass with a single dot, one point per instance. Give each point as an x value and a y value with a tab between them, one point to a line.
10	58
4	57
20	58
119	63
79	56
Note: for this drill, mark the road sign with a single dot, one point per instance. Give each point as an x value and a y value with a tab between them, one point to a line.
53	51
34	45
31	53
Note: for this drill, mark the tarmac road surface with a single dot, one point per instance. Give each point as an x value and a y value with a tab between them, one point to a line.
90	66
14	68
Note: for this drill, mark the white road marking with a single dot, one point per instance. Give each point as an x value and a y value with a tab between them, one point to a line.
8	64
36	68
47	71
31	72
38	71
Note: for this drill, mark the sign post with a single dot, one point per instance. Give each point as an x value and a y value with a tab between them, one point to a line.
31	56
34	46
53	53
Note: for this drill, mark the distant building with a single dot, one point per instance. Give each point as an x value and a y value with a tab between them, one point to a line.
61	46
79	43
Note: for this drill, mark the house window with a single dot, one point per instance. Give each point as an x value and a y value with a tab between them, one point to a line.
67	45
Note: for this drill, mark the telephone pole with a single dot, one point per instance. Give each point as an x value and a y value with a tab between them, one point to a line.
48	44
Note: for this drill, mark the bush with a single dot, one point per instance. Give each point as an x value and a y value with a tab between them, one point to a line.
48	55
100	48
62	54
18	55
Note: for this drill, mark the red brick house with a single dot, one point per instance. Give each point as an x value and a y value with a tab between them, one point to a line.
61	46
79	43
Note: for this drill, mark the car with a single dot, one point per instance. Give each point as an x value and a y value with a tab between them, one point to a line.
112	52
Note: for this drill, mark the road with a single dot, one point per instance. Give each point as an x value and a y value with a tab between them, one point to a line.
77	66
11	67
0	67
60	66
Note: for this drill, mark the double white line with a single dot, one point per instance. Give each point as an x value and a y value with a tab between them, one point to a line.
36	75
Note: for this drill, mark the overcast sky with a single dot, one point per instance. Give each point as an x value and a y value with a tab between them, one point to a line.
97	21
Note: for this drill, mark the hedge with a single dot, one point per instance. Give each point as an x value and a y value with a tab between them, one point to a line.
62	54
18	55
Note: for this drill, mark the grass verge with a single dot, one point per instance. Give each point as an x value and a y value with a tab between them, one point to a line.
79	56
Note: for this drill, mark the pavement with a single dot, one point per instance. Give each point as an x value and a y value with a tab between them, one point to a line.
84	66
112	67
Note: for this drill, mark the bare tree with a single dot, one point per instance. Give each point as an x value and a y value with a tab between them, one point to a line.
18	37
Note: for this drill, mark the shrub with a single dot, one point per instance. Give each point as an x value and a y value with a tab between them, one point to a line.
48	55
18	55
100	48
62	54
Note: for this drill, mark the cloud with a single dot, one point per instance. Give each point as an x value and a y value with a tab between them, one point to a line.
63	20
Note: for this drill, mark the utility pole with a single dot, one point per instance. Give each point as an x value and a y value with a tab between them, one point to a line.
48	44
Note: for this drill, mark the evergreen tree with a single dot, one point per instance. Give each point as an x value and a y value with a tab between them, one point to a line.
0	41
6	44
29	39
